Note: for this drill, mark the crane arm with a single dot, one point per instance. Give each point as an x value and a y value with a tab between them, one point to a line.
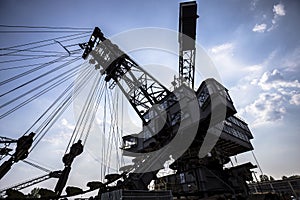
140	88
143	91
6	140
28	183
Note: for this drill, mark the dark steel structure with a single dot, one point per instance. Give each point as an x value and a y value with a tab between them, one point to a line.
286	187
186	38
28	183
4	149
164	118
205	116
21	152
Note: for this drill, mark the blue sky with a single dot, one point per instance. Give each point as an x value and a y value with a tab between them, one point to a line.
254	44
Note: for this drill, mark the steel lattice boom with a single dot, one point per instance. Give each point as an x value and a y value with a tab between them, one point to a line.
140	88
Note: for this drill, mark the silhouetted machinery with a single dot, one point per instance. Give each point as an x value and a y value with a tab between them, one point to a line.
23	145
28	183
169	116
75	150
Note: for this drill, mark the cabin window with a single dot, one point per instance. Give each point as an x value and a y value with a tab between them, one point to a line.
203	97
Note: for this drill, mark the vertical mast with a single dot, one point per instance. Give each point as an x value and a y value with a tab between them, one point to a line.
186	38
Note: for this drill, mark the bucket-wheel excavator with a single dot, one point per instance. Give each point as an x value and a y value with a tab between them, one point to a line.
197	128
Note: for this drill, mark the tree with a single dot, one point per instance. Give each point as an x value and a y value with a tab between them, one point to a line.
283	177
271	178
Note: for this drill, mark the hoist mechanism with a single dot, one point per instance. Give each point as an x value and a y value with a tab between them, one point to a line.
75	150
4	150
23	145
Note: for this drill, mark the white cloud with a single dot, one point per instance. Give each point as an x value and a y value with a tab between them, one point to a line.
63	132
278	12
292	60
273	76
278	94
295	99
58	140
253	4
225	62
279	9
275	80
253	68
269	107
247	84
260	28
66	124
222	48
